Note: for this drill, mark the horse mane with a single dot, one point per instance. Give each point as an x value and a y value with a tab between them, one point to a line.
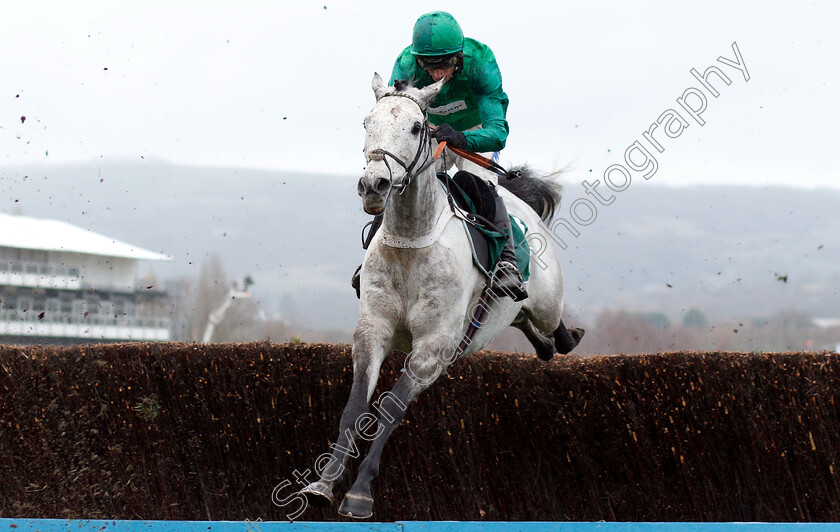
402	84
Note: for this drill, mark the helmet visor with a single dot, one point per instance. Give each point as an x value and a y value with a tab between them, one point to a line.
435	62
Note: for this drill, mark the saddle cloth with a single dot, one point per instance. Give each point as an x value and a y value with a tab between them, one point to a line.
473	195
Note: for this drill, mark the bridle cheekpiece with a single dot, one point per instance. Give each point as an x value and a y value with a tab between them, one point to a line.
410	172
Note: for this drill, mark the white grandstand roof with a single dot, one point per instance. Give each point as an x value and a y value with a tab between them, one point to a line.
23	232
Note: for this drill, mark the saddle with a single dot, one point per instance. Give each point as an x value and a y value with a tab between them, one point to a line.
476	200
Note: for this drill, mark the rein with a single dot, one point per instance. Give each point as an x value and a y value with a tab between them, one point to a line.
484	162
424	147
410	172
480	160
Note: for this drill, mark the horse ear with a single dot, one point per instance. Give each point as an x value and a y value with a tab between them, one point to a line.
379	87
430	92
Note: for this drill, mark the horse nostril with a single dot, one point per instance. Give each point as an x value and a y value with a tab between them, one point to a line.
382	185
360	187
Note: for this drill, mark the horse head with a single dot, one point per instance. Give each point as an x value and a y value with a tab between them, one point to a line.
397	141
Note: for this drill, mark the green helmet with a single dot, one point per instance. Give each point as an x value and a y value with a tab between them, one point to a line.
437	33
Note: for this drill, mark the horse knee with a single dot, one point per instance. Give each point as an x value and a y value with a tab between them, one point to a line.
429	359
422	370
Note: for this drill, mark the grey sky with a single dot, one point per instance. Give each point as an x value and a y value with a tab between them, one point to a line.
285	85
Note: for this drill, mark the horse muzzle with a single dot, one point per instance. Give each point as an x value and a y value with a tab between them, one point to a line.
374	192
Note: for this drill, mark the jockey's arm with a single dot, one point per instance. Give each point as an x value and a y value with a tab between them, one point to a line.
491	100
492	107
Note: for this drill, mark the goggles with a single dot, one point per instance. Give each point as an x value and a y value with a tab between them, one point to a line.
435	62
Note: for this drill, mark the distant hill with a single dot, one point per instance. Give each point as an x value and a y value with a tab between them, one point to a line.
729	251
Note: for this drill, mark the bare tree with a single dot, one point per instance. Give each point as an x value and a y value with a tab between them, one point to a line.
197	299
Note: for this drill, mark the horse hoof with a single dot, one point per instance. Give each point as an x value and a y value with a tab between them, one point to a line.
356	506
318	494
567	339
546	353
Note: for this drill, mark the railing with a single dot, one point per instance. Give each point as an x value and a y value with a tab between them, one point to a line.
38	274
91	319
63	325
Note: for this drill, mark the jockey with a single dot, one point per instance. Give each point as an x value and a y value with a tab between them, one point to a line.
469	114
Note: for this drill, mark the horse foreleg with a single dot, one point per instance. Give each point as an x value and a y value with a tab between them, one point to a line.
320	492
368	354
358	502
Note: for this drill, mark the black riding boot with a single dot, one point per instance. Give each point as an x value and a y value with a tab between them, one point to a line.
356	281
506	278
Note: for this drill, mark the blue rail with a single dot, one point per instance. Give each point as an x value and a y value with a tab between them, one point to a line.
102	525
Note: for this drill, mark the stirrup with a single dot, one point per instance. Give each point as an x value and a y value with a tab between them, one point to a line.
507	281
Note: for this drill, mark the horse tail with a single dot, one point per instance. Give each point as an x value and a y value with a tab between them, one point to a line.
541	192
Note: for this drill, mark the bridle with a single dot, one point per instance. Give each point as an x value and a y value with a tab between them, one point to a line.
410	172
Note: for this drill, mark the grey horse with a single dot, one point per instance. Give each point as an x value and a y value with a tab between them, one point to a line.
420	288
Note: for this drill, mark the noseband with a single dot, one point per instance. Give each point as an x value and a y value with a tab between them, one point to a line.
410	172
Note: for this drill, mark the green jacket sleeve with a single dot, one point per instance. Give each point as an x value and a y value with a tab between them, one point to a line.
400	71
492	108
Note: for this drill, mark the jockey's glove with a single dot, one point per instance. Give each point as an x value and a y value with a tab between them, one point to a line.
452	137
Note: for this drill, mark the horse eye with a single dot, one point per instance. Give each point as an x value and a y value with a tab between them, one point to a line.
416	129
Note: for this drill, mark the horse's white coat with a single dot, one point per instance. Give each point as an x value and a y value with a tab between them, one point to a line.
414	297
419	300
395	241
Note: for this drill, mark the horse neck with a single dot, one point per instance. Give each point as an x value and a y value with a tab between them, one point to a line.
415	212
